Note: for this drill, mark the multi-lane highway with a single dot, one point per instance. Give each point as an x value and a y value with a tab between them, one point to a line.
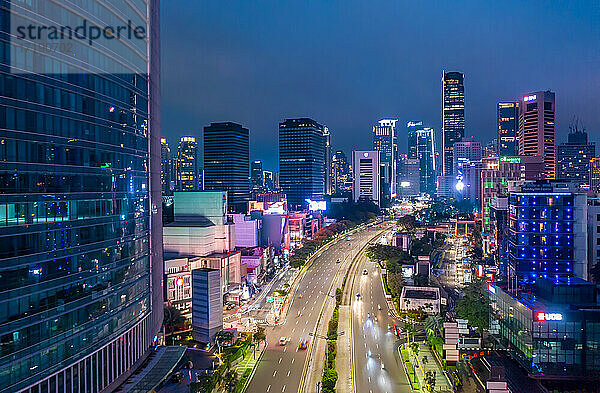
281	367
373	336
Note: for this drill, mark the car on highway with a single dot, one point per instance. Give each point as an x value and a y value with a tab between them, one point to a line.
303	344
282	341
365	272
357	296
338	260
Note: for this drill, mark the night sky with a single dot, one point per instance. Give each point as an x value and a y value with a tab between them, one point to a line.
349	63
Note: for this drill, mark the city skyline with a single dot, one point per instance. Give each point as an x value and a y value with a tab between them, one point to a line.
250	60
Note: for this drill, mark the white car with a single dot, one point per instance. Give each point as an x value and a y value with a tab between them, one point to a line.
282	341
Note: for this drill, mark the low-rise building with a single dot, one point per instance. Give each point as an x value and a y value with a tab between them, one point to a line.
426	299
552	331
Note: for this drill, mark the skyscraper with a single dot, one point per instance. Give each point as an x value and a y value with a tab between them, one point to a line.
269	181
421	146
536	128
165	166
328	175
342	177
385	141
227	162
508	125
573	157
410	178
256	175
453	115
366	176
302	146
188	166
467	165
81	239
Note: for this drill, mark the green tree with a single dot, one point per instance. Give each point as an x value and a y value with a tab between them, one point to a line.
415	348
434	324
395	282
258	337
430	381
172	320
229	380
329	379
474	306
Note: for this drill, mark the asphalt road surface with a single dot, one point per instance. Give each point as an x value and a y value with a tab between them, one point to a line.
281	367
373	336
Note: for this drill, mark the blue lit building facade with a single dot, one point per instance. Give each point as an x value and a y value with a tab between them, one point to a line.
547	234
80	205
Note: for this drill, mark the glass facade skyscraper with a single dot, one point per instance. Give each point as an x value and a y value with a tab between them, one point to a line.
302	146
453	116
227	163
508	125
421	146
80	205
189	177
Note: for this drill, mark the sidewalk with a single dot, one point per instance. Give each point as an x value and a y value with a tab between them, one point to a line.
441	382
343	361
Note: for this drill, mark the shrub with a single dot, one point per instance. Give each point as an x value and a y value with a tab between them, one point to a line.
329	379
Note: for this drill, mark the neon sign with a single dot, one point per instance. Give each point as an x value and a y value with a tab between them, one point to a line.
414	123
542	316
179	282
529	98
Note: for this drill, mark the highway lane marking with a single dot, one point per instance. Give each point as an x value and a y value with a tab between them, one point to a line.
283	390
274	373
288	373
268	388
279	360
284	349
293	330
292	360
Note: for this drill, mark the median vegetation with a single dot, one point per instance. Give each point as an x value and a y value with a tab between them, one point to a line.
330	375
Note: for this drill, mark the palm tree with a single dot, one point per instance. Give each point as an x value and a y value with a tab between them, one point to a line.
434	324
172	319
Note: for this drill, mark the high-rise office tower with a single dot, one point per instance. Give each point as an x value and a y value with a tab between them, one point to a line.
385	141
342	177
547	227
165	166
366	176
269	181
328	173
508	125
188	166
409	170
256	175
453	116
573	157
227	162
301	160
536	128
81	297
421	146
467	166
